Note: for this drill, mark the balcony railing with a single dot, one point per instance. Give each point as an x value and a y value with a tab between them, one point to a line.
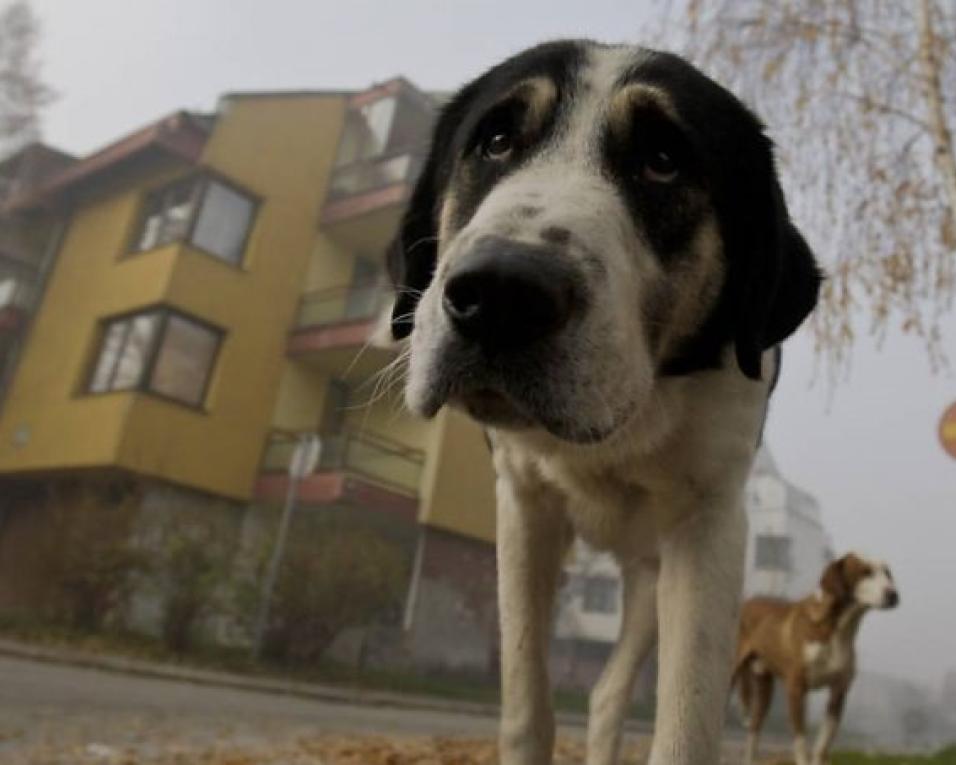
340	304
371	457
373	173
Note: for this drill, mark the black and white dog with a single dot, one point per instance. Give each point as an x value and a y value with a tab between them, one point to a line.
597	264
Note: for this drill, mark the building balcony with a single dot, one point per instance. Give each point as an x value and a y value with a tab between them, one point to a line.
354	468
334	330
366	200
379	158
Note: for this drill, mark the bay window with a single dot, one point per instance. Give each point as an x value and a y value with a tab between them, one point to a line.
158	351
208	213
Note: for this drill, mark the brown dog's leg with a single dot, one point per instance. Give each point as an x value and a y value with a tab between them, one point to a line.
761	695
796	698
831	722
744	676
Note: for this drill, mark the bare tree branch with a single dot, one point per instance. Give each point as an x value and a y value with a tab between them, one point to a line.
23	94
868	103
933	92
859	99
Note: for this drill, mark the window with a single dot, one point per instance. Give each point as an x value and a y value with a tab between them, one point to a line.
381	144
211	215
158	351
600	595
184	360
124	353
223	222
367	131
772	552
167	214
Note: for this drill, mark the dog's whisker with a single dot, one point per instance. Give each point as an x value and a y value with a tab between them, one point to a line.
419	242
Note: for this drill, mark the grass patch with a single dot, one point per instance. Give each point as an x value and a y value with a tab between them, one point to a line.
945	756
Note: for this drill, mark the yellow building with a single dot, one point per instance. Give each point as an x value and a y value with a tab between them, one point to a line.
215	287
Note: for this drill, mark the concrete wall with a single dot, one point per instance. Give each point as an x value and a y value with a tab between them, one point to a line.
454	615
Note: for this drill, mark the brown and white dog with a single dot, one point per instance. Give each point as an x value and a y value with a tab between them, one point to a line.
808	644
597	265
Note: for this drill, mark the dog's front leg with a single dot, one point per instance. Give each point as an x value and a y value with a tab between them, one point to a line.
796	702
698	599
611	697
532	537
821	752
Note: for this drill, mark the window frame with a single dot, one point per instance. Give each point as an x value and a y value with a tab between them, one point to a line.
144	384
203	178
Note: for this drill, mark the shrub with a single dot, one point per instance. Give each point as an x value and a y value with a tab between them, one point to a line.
91	558
340	578
190	569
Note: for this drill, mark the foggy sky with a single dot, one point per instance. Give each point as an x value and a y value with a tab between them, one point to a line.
871	458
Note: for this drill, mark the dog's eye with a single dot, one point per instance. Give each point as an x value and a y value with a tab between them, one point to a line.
660	166
498	146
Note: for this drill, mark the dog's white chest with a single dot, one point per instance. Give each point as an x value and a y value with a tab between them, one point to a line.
827	661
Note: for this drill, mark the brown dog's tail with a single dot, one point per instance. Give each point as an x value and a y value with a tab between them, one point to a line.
741	679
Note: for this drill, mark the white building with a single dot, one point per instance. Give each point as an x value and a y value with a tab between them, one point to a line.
588	620
787	549
589	604
787	544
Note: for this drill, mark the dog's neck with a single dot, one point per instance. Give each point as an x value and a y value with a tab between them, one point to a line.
837	616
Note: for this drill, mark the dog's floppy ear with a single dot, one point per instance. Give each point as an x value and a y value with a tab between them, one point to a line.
776	279
413	253
833	582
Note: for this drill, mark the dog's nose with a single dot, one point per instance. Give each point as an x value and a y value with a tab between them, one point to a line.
892	599
507	294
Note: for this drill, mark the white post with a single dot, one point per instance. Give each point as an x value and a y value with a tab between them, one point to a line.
305	458
411	597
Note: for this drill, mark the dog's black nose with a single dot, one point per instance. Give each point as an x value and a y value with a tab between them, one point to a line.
507	294
892	599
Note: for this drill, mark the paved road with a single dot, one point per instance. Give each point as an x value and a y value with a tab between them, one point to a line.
50	708
34	696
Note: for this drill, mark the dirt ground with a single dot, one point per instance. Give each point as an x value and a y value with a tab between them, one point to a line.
321	750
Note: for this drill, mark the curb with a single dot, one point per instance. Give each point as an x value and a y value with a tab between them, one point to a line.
314	691
213	678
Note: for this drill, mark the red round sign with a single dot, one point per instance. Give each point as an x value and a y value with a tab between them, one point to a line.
947	431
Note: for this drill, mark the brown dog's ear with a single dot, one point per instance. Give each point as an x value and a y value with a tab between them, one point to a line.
833	582
819	607
833	590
